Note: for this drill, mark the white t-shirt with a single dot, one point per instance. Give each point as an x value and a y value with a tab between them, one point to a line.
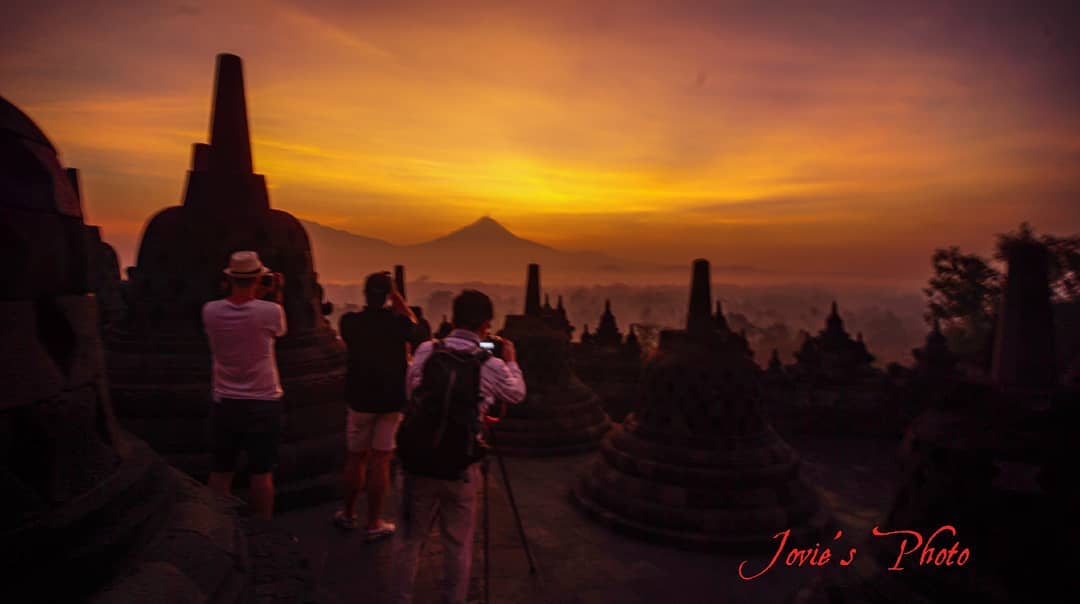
242	346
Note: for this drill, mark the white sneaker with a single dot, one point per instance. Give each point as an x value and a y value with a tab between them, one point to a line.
383	530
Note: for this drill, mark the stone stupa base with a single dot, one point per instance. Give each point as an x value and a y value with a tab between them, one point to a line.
565	421
162	396
732	499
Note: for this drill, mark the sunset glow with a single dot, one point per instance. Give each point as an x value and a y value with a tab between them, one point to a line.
754	136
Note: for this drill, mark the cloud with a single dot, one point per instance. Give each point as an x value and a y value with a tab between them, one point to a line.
748	130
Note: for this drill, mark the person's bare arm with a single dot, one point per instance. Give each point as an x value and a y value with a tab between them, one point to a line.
400	306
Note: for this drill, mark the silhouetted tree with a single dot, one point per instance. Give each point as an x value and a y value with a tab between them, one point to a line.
1064	254
965	289
963	294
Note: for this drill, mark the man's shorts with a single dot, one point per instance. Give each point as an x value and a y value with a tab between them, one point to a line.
364	431
245	425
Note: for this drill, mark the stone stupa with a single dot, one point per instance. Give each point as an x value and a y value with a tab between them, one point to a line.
697	464
995	461
159	362
560	414
90	513
610	364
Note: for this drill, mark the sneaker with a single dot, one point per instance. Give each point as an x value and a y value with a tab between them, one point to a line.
344	521
383	530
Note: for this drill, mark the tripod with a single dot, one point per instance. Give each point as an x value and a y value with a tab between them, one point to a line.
487	513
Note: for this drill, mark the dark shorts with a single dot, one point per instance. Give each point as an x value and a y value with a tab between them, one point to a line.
245	425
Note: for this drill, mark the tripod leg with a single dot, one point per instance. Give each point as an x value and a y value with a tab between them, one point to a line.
513	504
487	536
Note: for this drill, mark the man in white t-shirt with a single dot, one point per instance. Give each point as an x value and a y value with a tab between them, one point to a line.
246	411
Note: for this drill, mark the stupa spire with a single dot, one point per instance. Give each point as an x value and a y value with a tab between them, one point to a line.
699	319
532	291
230	141
721	320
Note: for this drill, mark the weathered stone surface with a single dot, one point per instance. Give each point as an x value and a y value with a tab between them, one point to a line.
698	464
609	365
88	513
560	415
159	360
995	461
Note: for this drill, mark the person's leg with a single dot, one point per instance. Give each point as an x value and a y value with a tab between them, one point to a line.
359	428
386	425
224	448
416	515
262	495
378	482
261	444
457	523
353	480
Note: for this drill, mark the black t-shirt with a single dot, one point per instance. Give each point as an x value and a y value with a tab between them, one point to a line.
375	378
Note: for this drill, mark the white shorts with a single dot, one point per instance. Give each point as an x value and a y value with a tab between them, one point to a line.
366	431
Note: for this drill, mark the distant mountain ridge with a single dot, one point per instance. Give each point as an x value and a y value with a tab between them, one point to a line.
484	250
485	231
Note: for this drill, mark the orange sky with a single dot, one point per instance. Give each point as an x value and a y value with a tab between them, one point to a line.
843	140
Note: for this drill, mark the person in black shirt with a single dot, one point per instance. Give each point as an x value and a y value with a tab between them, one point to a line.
376	338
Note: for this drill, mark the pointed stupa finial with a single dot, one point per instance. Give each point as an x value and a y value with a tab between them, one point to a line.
532	291
699	319
559	304
719	318
834	312
399	279
230	141
607	306
547	302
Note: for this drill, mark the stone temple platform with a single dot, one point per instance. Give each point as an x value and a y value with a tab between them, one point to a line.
698	463
581	561
158	359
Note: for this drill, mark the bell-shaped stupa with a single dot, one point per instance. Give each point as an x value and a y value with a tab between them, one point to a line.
159	362
990	467
92	514
560	415
698	464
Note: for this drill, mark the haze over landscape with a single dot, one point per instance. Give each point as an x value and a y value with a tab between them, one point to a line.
810	153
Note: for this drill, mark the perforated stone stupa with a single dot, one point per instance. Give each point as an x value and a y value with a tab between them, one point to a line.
698	464
560	415
91	514
610	365
995	462
159	361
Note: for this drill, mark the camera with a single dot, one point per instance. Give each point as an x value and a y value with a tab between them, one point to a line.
271	284
494	345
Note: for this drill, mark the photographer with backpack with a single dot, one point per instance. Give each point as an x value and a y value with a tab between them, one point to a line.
451	385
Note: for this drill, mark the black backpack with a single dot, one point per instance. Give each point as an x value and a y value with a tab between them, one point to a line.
440	435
